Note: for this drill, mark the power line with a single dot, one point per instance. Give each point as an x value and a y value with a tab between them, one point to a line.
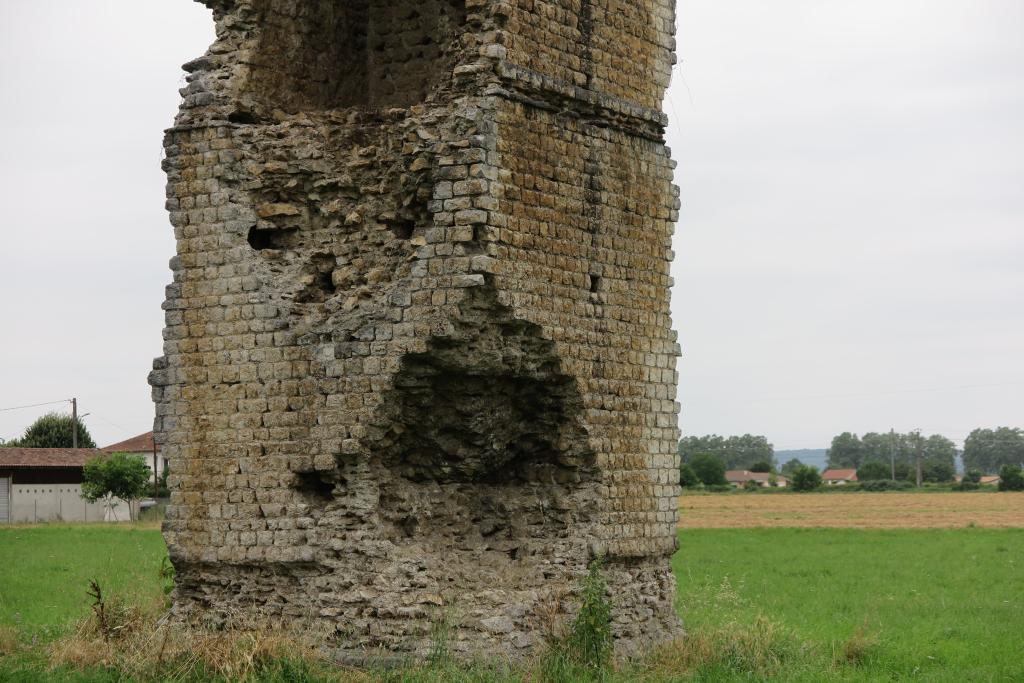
879	393
109	422
35	405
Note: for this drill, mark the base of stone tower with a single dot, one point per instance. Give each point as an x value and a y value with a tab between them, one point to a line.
371	626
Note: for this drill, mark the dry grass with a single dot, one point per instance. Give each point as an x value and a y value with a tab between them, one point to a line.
144	648
9	641
940	510
757	650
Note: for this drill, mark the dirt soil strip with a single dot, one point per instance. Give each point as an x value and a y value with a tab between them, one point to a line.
852	510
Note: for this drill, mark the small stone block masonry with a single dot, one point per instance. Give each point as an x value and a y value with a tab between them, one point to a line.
418	362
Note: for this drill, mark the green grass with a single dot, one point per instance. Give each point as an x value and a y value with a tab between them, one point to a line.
45	572
942	605
787	604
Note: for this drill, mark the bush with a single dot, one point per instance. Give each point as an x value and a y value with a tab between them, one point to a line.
970	482
751	485
1011	478
885	485
687	477
938	472
709	469
805	478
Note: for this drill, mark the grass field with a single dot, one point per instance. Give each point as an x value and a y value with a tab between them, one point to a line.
938	510
788	604
46	571
901	604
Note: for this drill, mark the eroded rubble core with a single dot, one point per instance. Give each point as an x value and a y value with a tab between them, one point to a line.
418	360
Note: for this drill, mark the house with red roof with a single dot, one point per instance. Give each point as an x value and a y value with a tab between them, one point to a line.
45	485
839	477
738	478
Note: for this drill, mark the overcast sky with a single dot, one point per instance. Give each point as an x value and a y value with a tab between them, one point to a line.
849	255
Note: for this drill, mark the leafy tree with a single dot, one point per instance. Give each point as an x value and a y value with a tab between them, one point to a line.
805	478
791	466
751	485
53	430
938	472
938	450
874	470
885	447
1011	478
119	475
709	469
736	452
989	449
761	466
687	477
846	451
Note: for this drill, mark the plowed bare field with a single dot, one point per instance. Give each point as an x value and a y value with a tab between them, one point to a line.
852	510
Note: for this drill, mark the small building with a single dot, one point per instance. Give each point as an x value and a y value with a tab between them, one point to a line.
143	445
764	479
989	480
838	477
45	485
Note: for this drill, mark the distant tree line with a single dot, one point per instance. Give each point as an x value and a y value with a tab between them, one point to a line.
850	451
876	456
735	452
985	450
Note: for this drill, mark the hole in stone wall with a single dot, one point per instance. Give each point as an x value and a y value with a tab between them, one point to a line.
314	486
341	53
595	283
262	239
242	117
490	406
402	229
318	279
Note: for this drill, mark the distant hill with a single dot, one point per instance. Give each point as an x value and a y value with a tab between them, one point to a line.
809	456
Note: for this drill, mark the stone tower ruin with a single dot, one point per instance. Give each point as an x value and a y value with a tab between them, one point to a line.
418	360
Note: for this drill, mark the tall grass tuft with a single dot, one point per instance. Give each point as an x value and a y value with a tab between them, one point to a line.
735	650
858	647
586	652
590	643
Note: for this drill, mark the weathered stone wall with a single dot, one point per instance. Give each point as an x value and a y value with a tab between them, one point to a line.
418	360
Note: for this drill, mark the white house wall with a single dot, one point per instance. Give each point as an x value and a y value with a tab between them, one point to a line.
5	497
60	502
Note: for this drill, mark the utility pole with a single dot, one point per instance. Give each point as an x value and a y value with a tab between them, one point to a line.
74	423
156	482
892	452
919	458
